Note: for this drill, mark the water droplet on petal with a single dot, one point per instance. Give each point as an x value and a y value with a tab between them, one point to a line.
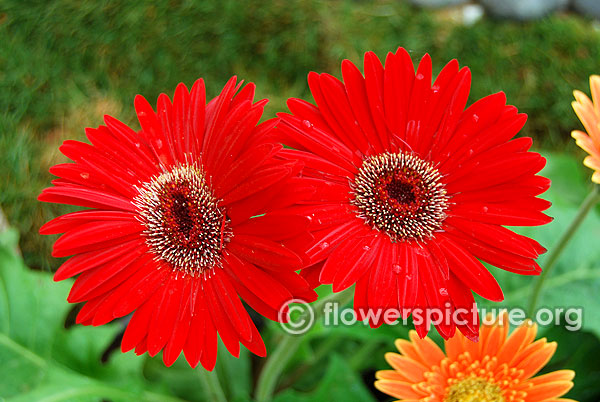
324	245
444	291
396	268
475	118
420	76
307	123
84	175
485	209
408	277
435	89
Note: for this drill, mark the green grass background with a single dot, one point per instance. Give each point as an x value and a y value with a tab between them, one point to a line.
65	63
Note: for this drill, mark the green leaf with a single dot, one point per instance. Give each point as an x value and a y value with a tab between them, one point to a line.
340	383
43	361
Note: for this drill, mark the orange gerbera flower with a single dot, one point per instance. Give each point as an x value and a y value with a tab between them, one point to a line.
495	369
588	112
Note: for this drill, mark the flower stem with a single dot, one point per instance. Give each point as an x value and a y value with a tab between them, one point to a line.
267	381
211	385
587	204
324	349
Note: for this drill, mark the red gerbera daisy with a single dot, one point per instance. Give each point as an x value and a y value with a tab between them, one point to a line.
412	189
186	215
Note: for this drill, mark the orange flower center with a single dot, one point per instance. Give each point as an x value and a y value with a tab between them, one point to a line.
184	225
474	389
401	195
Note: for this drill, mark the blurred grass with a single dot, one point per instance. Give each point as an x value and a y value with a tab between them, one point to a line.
65	63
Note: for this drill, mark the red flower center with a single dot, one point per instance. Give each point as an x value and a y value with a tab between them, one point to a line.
184	225
402	189
401	195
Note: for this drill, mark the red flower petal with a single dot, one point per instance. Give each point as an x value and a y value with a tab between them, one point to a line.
470	271
264	253
94	282
407	280
95	235
260	283
383	271
220	291
85	197
92	259
165	314
342	274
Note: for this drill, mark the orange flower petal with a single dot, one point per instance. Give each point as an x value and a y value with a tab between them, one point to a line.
408	349
587	115
560	400
548	390
520	338
397	389
584	142
592	163
595	89
389	375
583	100
536	359
471	347
453	347
430	353
588	112
560	375
494	339
407	367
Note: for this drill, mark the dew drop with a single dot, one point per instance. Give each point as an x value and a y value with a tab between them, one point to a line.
420	76
408	277
396	268
84	175
435	89
366	248
475	118
159	144
444	291
307	123
324	245
485	209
